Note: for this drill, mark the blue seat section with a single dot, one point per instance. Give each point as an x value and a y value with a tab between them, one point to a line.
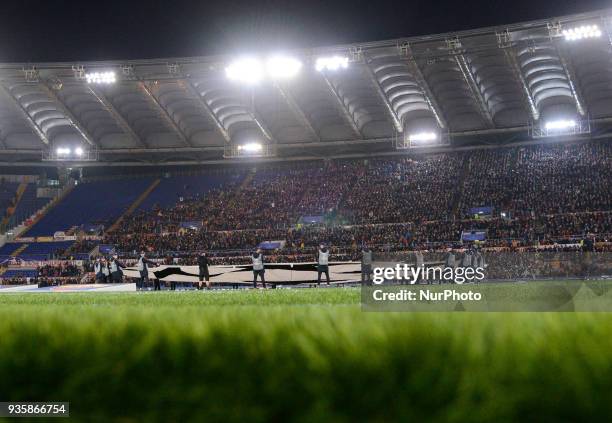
93	202
35	250
20	273
8	248
8	190
171	189
43	250
29	204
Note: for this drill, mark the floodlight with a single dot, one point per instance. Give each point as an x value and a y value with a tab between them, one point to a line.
247	70
582	32
62	151
280	67
559	125
101	77
331	63
252	147
423	137
78	151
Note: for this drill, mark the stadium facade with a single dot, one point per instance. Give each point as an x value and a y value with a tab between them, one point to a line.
230	153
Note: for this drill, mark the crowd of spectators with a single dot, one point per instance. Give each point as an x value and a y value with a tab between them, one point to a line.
404	190
541	179
62	270
45	275
546	193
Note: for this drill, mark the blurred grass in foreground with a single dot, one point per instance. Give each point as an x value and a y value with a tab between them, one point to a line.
298	355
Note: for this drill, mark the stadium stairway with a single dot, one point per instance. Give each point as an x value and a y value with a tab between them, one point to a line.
19	250
134	205
48	208
465	171
247	180
11	210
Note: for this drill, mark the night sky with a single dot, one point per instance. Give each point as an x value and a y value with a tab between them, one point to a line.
56	30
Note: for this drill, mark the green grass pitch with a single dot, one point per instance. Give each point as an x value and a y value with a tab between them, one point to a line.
299	355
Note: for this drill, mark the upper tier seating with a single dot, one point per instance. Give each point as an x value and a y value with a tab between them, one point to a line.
171	190
28	205
8	190
93	202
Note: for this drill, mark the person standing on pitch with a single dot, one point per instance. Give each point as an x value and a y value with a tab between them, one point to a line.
258	267
366	265
449	262
479	261
323	264
466	261
420	264
143	268
203	268
98	271
115	269
105	270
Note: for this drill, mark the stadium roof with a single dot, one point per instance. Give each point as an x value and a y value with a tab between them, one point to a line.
489	84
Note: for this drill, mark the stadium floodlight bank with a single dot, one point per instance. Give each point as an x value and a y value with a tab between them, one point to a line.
424	139
252	150
560	127
108	77
556	66
68	154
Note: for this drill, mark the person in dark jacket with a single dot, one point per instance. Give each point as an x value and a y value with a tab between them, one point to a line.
143	268
115	267
258	267
323	263
366	265
98	271
203	270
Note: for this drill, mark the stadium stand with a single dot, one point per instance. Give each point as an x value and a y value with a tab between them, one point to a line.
35	250
28	205
94	202
44	250
545	192
8	191
20	273
335	174
172	188
9	248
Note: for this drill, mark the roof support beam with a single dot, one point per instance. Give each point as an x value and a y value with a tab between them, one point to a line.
297	110
381	93
31	122
123	124
257	119
413	67
188	86
518	73
163	112
343	108
71	118
572	81
475	89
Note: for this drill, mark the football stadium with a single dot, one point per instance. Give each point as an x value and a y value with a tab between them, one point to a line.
416	229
